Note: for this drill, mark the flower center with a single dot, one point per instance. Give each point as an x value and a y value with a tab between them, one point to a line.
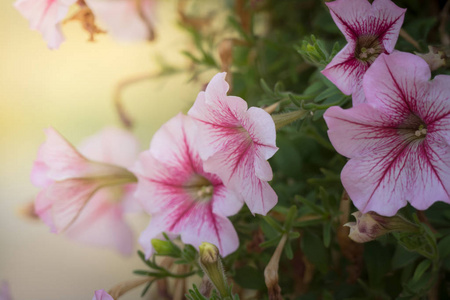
413	128
200	188
368	47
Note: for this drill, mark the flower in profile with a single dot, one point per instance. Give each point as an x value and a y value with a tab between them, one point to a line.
182	198
397	142
126	20
235	143
102	295
86	198
46	16
370	30
370	226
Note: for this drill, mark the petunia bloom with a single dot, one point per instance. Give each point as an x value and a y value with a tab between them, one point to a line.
102	295
46	16
182	198
126	20
235	143
86	198
370	30
397	142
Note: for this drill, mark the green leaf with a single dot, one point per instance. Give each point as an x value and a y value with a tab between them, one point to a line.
327	234
444	247
290	217
274	224
315	251
421	268
403	257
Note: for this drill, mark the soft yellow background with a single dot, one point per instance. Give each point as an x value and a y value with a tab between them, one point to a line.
70	89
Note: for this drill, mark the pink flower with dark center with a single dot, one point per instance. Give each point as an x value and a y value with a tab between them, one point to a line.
46	16
86	198
397	142
181	196
235	143
126	20
370	30
102	295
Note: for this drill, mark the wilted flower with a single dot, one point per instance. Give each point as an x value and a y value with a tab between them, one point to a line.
370	30
434	58
86	198
180	195
370	226
126	20
102	295
397	142
235	142
46	16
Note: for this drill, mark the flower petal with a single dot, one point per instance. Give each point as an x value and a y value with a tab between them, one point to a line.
101	223
394	84
102	295
360	130
345	71
46	16
111	145
122	18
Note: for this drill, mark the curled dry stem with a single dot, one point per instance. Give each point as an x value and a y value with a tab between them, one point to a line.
123	287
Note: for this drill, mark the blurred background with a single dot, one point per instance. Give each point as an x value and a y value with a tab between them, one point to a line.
71	90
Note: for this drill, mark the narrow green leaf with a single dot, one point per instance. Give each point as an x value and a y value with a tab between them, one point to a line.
421	268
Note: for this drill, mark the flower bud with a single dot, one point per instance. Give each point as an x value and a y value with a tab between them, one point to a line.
370	226
212	266
165	247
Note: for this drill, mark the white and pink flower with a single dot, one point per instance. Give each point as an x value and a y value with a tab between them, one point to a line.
397	142
46	16
235	142
370	30
182	198
86	198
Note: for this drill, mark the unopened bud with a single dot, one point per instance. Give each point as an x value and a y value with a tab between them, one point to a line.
434	58
211	264
371	225
165	247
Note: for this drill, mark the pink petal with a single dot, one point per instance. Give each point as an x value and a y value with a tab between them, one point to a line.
346	72
101	223
102	295
394	84
5	294
111	145
434	104
64	200
357	17
360	130
46	16
122	19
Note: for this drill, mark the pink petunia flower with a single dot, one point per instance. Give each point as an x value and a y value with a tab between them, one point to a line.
126	20
86	198
46	16
181	196
397	142
235	143
102	295
370	29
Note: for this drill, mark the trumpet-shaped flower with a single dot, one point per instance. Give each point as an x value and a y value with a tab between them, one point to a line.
46	16
126	20
85	198
180	195
102	295
370	30
235	143
397	142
